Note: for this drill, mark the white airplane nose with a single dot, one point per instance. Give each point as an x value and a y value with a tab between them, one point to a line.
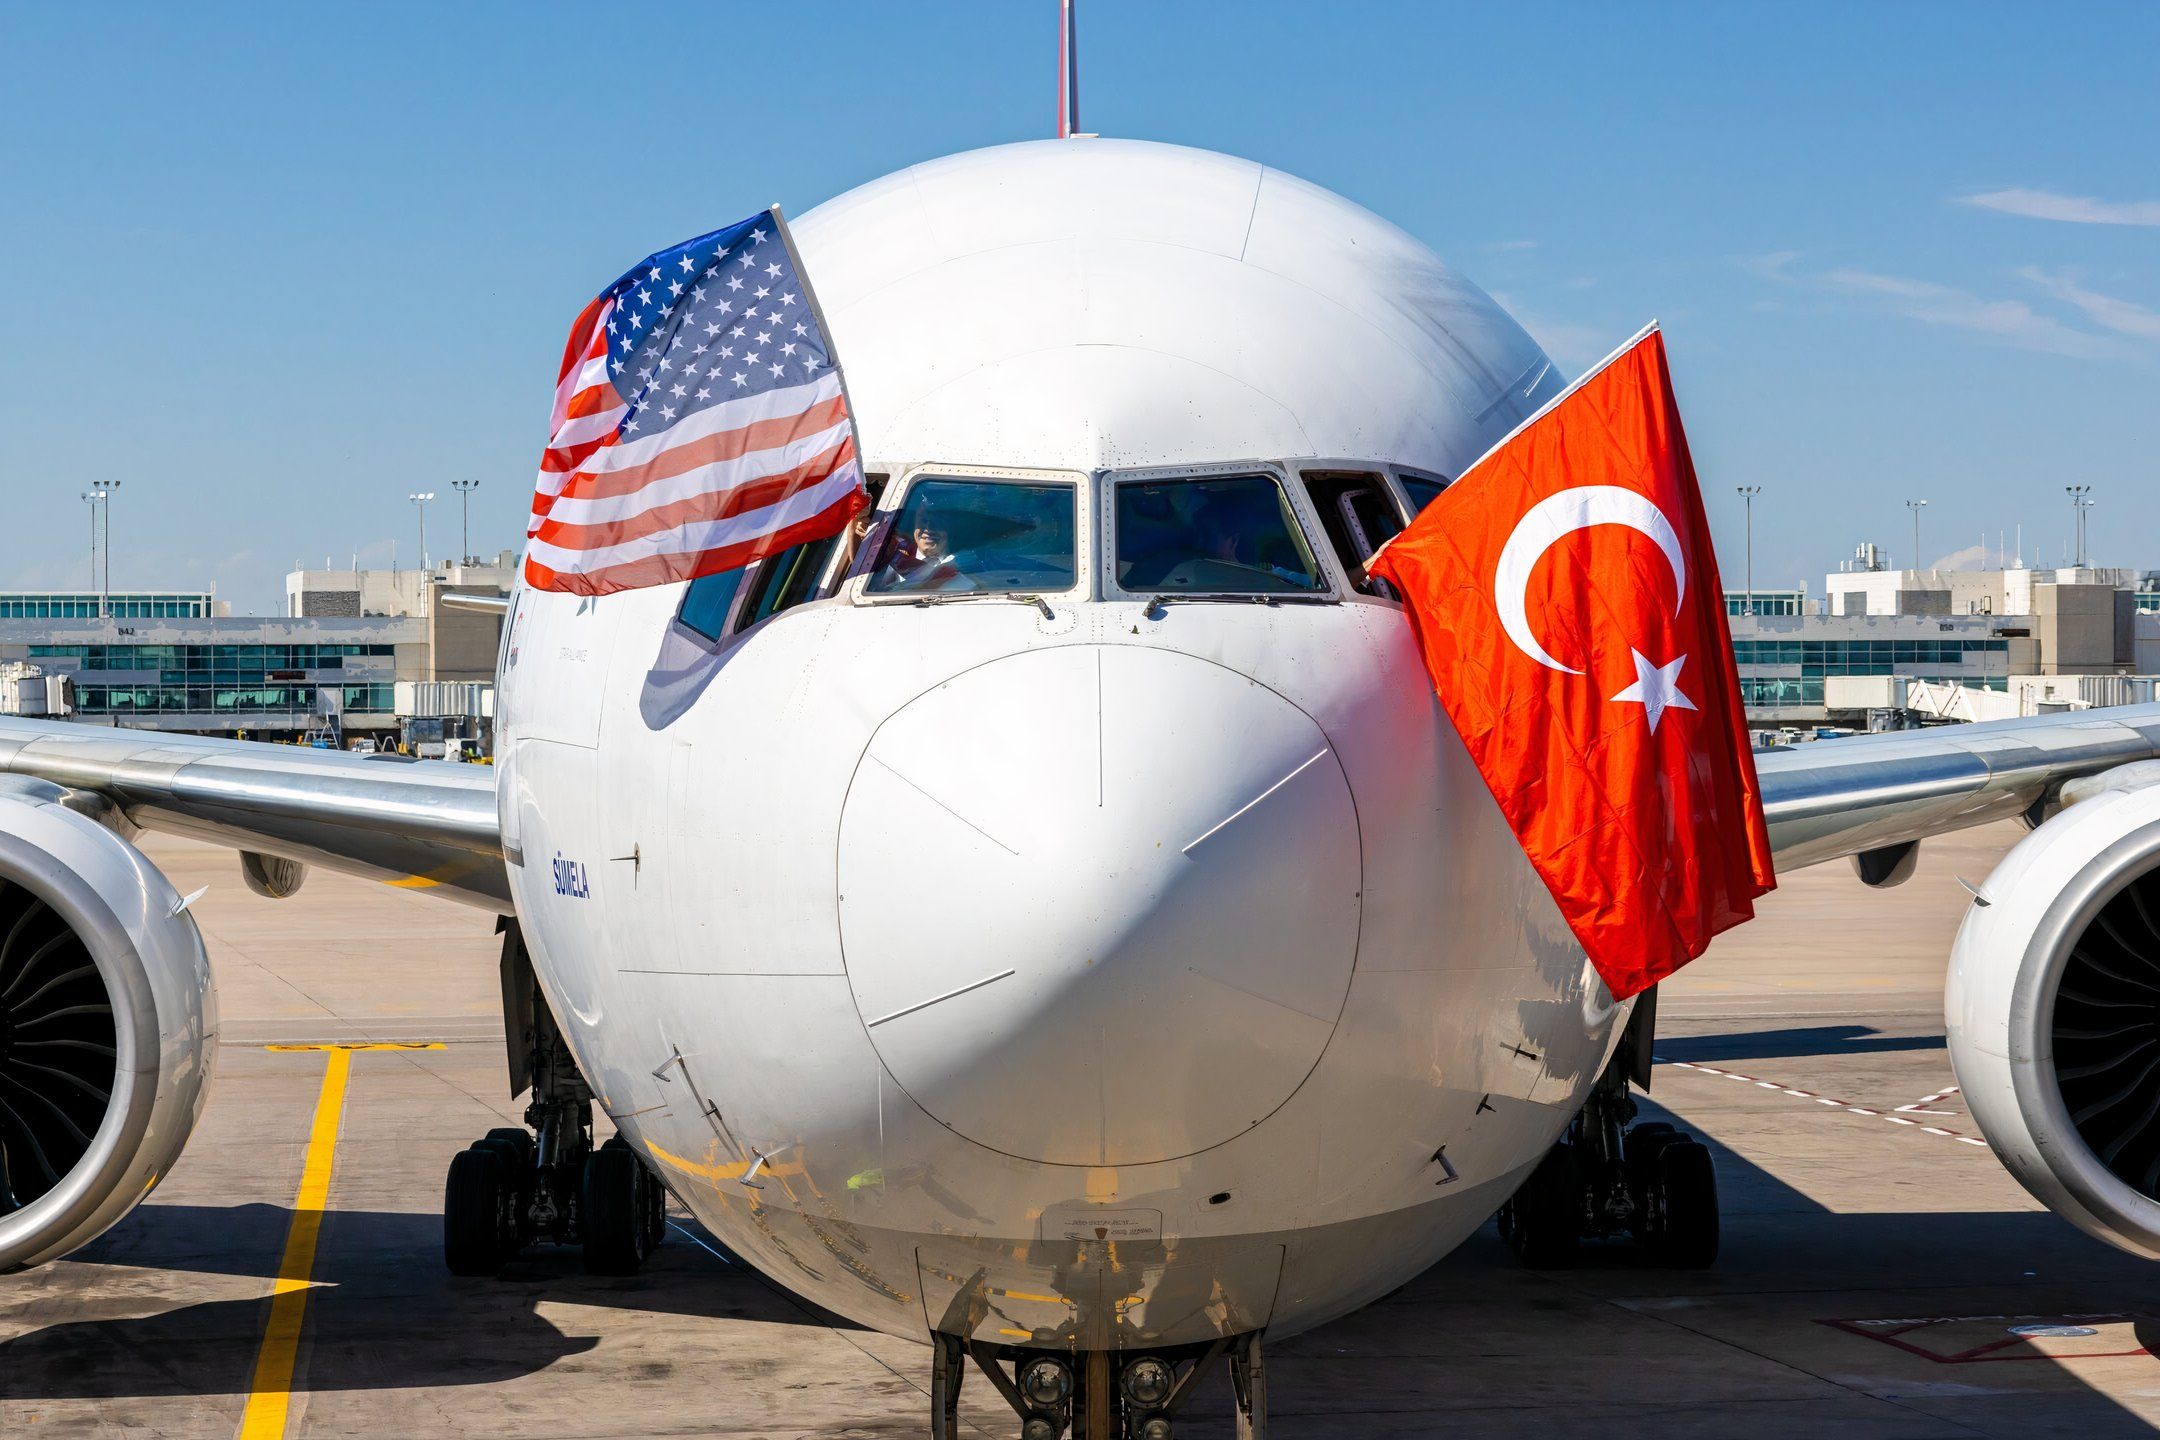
1099	904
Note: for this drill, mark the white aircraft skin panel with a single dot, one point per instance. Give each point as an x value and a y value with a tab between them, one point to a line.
976	930
978	263
1404	1072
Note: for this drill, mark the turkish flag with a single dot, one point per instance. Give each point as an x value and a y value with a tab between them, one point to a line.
1567	602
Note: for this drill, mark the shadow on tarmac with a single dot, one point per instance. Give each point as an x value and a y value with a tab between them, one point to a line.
384	1312
1807	1040
1474	1345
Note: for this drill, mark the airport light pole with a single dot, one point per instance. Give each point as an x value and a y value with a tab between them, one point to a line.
2079	504
1916	506
105	490
91	499
465	489
1748	493
420	502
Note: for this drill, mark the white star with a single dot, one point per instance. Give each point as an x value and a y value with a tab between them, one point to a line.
757	237
764	338
631	426
751	358
698	294
644	297
788	298
704	394
678	392
736	333
688	264
737	377
711	328
655	272
618	367
801	329
1656	689
773	270
747	260
776	369
675	288
667	412
734	282
788	349
763	291
727	352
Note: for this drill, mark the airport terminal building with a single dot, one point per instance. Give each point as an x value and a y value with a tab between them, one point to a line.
351	659
1897	646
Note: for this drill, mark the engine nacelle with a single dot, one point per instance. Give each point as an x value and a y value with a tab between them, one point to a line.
2053	1009
108	1025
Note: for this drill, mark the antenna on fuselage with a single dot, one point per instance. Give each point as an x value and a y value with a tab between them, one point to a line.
1068	122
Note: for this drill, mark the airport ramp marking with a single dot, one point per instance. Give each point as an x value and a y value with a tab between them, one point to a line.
1836	1104
269	1402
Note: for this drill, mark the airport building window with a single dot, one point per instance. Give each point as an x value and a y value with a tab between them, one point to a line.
1357	516
1212	535
958	537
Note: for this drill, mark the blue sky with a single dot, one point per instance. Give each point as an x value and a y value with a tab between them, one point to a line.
275	269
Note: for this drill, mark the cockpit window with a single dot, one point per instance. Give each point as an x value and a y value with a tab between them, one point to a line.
958	537
1215	535
1421	492
706	603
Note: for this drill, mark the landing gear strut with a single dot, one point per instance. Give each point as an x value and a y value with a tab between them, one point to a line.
1098	1394
514	1186
1607	1176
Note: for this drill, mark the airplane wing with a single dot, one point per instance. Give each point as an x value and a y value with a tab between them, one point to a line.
418	824
1875	796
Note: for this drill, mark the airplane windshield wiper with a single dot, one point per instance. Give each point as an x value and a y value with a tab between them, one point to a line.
1029	598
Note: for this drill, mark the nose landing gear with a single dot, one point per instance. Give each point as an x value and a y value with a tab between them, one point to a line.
1099	1394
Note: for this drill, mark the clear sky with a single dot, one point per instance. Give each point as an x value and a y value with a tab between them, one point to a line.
275	268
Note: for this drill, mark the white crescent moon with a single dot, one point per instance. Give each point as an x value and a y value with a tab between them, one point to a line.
1545	523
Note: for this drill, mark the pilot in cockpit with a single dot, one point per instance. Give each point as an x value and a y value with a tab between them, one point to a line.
922	559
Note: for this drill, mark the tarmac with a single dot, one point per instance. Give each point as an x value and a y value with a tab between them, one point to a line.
1878	1262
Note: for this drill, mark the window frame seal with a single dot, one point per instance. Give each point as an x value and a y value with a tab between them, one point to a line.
1308	522
855	588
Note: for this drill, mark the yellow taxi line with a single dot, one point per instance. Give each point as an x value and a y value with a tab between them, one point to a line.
270	1394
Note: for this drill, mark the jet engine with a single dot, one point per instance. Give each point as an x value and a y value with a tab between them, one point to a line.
108	1022
2053	1010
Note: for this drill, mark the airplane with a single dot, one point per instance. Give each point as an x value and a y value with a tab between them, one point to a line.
1100	956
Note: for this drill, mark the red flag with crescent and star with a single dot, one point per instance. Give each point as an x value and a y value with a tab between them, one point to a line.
1568	605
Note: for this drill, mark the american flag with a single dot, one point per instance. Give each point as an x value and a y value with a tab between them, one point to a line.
700	422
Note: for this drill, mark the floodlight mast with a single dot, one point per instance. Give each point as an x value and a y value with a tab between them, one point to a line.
1748	494
465	489
420	501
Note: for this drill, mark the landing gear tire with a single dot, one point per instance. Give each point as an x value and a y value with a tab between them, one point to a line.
617	1212
1684	1232
1542	1222
655	1197
476	1213
948	1368
517	1137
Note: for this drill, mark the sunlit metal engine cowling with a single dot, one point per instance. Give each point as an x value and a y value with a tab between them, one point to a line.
2053	1009
108	1026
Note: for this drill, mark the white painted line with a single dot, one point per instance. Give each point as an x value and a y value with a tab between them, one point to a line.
1798	1094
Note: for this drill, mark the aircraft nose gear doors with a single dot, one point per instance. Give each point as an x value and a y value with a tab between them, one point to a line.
1606	1177
515	1186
